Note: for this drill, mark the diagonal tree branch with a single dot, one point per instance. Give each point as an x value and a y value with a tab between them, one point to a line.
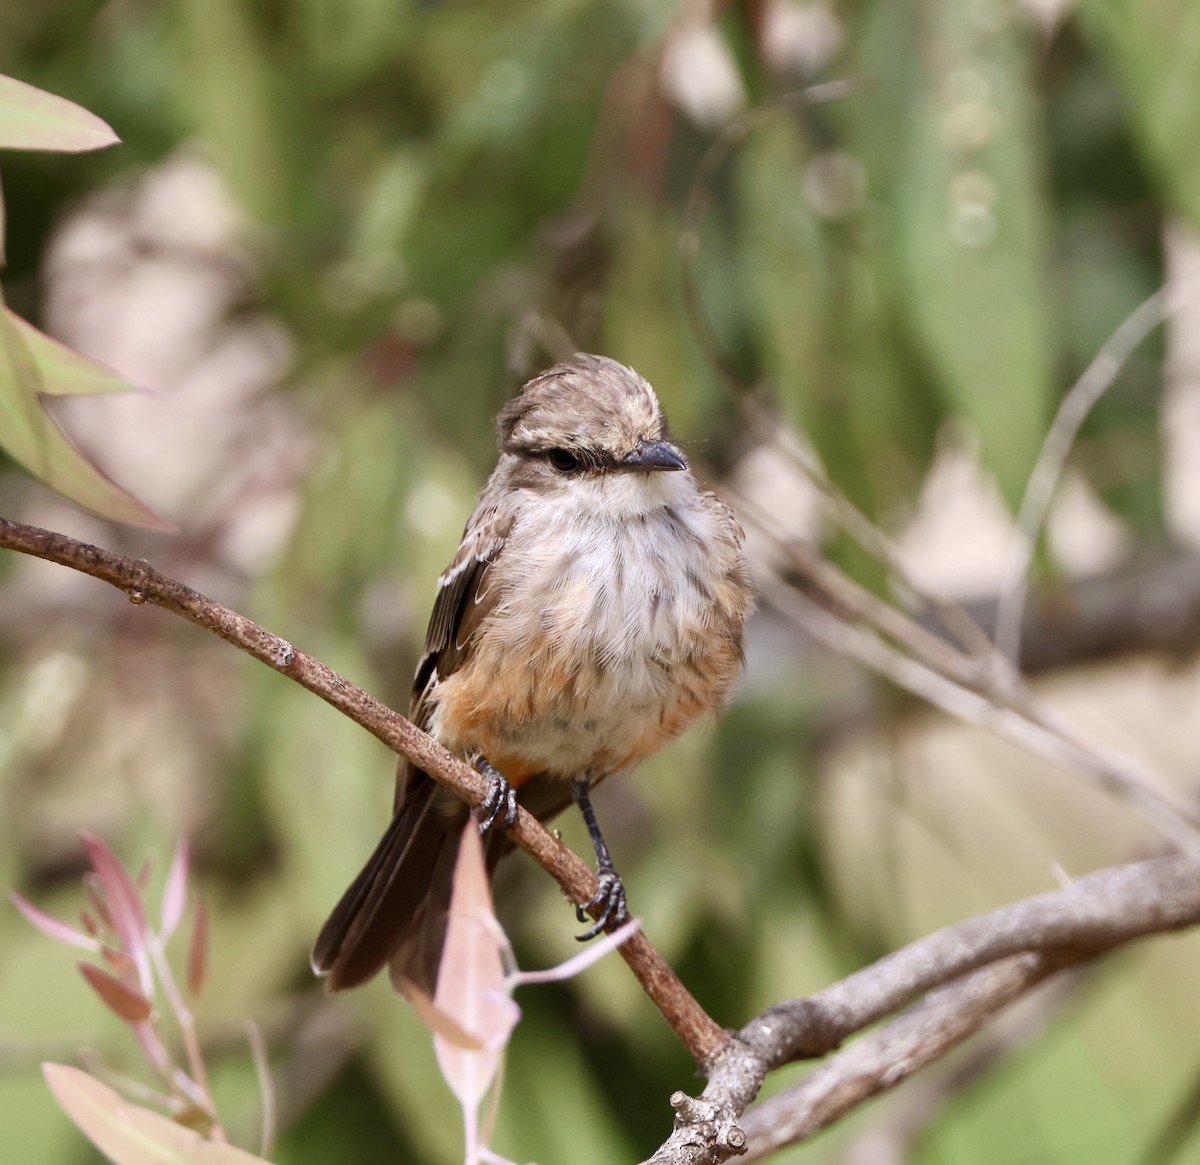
962	975
966	973
702	1037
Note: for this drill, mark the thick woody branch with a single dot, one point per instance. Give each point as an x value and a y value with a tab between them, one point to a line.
973	970
702	1037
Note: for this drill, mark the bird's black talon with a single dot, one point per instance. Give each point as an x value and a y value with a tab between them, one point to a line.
611	902
499	807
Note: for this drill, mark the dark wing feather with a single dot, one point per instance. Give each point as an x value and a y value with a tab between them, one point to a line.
371	916
464	599
396	907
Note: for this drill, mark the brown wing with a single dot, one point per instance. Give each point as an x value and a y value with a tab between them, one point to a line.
464	599
396	907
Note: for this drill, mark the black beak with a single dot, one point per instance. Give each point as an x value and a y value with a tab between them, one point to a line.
654	455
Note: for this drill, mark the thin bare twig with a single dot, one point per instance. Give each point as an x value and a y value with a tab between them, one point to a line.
702	1037
884	1059
952	615
1020	719
848	599
987	961
857	525
1096	380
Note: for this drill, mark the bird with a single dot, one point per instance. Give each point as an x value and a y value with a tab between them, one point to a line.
594	610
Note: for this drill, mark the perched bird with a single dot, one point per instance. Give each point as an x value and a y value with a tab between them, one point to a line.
593	611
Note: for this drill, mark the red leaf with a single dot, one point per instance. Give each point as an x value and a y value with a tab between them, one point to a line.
124	906
197	963
126	1002
94	890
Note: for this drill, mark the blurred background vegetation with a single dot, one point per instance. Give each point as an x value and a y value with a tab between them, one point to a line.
337	236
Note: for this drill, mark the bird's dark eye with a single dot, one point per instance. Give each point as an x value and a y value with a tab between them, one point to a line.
563	460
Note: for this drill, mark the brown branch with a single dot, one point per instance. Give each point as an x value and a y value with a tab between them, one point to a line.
702	1037
987	962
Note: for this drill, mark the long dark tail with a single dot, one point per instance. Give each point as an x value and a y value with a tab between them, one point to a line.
395	910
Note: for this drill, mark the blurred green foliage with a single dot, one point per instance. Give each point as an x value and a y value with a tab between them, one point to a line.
439	199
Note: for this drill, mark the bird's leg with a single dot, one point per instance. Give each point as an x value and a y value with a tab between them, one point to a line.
609	899
499	807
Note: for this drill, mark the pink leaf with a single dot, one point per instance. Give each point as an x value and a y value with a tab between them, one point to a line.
53	927
32	119
124	906
436	1020
130	1135
175	891
123	1001
472	988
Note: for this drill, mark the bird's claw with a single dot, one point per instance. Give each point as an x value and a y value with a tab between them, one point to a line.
611	903
499	807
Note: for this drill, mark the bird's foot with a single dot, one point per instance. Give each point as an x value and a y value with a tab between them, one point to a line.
499	808
609	900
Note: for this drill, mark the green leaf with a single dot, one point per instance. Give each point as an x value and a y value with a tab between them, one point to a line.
64	371
971	233
127	1134
30	368
1154	47
32	119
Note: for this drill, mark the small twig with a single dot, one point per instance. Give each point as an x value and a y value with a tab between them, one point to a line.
952	615
197	1068
845	597
988	961
702	1037
882	1060
1096	380
1020	718
267	1091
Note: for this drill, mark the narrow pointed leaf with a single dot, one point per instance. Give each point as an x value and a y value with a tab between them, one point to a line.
124	906
127	1134
437	1021
52	927
175	891
972	234
32	119
197	963
65	372
33	438
1154	47
472	985
125	1002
